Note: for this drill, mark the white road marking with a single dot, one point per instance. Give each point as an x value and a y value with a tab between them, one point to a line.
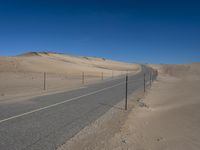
56	104
43	94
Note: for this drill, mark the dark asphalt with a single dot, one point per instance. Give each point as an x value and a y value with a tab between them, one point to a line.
50	127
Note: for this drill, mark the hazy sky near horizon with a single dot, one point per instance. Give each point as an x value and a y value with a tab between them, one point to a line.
143	31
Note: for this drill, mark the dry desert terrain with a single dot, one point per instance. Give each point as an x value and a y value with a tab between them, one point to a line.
23	76
167	117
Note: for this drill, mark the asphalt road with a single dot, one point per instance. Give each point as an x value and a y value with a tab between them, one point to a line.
44	123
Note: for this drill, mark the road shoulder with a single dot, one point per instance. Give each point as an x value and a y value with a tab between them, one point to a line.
97	134
167	117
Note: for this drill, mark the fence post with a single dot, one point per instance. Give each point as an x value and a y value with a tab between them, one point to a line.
150	77
44	80
144	83
154	75
112	74
83	77
126	92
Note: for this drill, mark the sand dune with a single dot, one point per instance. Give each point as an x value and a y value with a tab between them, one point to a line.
171	120
184	70
60	63
23	74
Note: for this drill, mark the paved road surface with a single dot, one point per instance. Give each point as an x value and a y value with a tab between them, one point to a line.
44	123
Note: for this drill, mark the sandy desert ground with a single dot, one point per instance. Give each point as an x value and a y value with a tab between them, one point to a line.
23	76
166	117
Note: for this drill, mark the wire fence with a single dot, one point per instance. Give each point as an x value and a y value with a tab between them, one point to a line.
57	135
23	83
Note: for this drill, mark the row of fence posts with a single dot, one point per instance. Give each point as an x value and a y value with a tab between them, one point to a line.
152	76
82	80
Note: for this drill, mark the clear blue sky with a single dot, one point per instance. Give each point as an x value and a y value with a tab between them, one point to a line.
142	31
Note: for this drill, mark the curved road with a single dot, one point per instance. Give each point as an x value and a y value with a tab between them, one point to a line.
45	122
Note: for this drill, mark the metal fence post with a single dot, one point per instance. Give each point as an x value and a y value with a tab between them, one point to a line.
126	92
150	78
112	74
144	83
83	77
44	80
156	73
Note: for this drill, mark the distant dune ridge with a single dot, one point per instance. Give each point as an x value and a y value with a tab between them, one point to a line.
24	74
61	63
